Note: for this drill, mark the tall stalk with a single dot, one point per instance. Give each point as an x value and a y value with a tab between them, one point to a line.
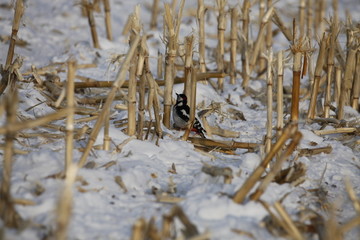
171	36
318	70
188	64
201	23
244	48
296	87
119	81
91	19
330	68
70	118
347	82
233	39
356	85
136	27
221	40
279	92
269	78
107	8
8	212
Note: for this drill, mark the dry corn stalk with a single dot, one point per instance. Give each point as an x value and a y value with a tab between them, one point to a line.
127	26
221	40
318	70
287	223
309	18
269	32
233	39
188	64
171	37
335	6
120	79
160	65
269	94
153	99
320	16
201	22
136	27
330	67
108	20
335	131
154	14
90	14
276	167
337	84
64	208
107	84
107	139
240	195
35	122
216	130
70	117
141	107
215	171
302	9
244	40
120	182
356	85
8	213
279	96
190	229
314	151
192	104
19	11
10	75
296	86
138	230
346	84
209	143
280	24
260	58
260	38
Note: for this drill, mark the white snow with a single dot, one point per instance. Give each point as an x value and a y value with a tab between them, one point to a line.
55	32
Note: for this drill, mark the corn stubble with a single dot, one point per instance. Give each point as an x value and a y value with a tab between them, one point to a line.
336	73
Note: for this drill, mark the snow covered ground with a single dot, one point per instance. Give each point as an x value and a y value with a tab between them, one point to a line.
54	31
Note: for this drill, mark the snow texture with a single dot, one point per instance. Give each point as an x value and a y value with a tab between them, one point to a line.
55	31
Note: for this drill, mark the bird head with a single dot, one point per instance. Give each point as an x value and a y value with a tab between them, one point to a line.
181	98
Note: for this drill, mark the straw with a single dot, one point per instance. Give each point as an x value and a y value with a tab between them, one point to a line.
221	40
240	194
269	94
120	79
70	117
318	69
154	14
107	8
19	11
136	27
8	212
64	207
201	22
90	14
244	48
233	47
330	67
279	94
346	84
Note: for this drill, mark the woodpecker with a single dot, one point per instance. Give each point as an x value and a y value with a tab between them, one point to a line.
181	116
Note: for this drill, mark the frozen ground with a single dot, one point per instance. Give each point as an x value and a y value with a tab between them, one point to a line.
54	31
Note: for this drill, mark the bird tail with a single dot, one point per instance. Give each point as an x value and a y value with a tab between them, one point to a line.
198	128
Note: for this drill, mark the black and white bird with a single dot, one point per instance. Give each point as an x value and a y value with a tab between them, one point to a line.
181	116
